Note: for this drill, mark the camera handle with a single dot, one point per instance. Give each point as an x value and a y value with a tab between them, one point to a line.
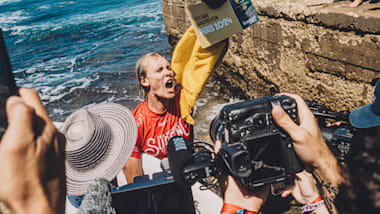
292	162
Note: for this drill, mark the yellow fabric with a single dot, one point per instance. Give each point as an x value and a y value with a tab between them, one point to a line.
193	65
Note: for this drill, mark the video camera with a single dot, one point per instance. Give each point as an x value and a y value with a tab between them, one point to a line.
255	151
338	138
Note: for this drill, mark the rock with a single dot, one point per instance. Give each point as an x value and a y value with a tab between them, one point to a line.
321	50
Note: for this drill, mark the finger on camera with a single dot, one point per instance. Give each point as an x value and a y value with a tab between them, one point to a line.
286	193
305	116
283	120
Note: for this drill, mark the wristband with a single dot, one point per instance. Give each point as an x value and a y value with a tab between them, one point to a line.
311	207
318	199
234	209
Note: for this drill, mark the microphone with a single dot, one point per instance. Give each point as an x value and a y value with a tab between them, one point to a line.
179	154
98	198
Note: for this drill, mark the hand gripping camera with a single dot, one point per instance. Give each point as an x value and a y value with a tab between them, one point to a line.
255	151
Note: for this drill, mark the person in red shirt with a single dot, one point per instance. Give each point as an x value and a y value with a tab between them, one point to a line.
159	116
167	108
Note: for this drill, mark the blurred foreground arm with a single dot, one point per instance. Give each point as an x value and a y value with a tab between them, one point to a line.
312	149
32	177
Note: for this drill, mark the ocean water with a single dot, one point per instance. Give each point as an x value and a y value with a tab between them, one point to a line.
79	53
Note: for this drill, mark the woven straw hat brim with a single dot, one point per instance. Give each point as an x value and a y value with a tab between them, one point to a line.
124	135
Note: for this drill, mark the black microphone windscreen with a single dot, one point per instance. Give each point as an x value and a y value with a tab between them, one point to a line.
179	154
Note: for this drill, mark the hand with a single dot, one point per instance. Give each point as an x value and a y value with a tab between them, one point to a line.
305	191
305	188
234	194
251	201
312	150
308	141
32	177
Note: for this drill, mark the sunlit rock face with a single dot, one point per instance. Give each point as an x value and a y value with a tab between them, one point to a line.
319	49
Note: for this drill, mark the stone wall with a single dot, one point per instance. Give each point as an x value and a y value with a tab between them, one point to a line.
321	50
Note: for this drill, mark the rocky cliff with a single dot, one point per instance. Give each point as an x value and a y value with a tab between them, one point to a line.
319	49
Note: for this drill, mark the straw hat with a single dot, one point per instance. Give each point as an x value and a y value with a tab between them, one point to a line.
100	139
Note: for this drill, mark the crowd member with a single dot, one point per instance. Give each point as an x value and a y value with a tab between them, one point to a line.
100	139
355	3
352	190
312	149
166	110
32	177
363	163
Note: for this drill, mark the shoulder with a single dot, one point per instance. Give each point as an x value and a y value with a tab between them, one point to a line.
139	113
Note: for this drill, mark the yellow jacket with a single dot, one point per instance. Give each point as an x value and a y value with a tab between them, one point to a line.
193	65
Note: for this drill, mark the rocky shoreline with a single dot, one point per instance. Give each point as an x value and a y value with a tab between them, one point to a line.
319	49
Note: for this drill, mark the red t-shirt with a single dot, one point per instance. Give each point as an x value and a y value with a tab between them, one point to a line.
155	130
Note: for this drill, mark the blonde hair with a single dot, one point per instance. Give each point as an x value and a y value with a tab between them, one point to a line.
141	73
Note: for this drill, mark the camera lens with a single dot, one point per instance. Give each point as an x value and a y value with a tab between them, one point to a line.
216	129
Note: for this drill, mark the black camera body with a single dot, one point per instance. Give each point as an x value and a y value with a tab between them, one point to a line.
202	165
263	153
255	151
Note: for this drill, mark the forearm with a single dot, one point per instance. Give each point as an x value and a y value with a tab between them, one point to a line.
132	169
331	176
240	197
131	174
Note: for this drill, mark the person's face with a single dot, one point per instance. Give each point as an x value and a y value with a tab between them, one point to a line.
159	78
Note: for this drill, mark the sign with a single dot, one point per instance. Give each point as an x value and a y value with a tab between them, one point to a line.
214	25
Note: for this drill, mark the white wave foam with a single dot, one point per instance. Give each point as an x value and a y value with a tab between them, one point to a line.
146	10
57	92
13	17
65	3
43	7
20	30
150	10
8	1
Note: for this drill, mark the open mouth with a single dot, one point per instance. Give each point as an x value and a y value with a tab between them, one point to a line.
169	84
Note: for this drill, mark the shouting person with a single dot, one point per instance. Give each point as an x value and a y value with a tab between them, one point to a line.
167	106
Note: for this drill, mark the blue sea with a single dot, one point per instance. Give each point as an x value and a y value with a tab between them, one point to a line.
79	53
